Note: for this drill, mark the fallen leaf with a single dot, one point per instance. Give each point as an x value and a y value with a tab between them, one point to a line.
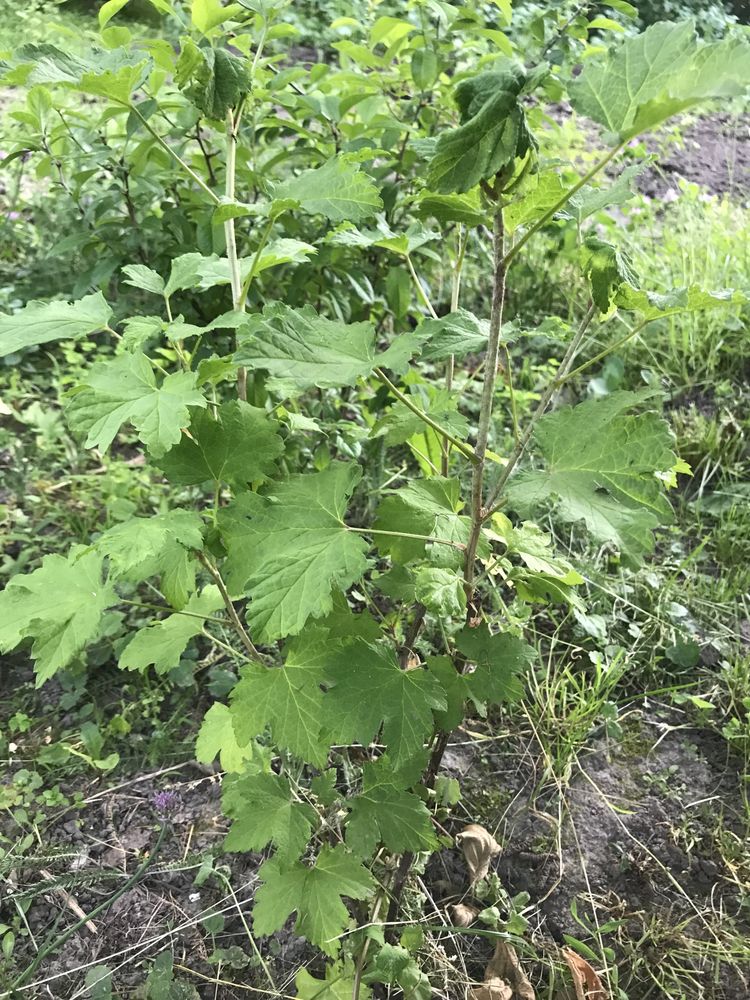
504	979
463	914
479	847
588	985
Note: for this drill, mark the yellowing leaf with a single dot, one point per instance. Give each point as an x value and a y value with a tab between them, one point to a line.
207	14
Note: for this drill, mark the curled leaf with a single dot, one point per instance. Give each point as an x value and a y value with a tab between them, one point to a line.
463	915
587	984
479	847
504	979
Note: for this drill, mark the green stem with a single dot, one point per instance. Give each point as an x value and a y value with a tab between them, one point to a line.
488	398
406	534
247	642
464	448
175	156
603	354
549	392
254	266
174	611
422	293
560	203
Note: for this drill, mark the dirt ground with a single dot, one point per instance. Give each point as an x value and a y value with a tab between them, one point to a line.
715	152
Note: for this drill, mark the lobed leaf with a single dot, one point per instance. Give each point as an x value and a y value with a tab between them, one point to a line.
314	893
125	390
289	549
60	605
601	469
40	322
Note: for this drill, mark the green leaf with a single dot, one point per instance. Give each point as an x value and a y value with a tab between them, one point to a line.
196	271
116	85
239	446
339	190
41	322
337	985
654	75
149	546
607	269
314	893
143	277
465	208
501	661
385	813
216	737
60	605
219	82
400	423
287	700
441	591
125	389
370	690
303	349
394	964
294	550
458	334
491	135
264	812
601	469
533	546
536	198
425	68
208	14
423	507
113	74
108	10
590	200
163	643
653	305
135	547
185	272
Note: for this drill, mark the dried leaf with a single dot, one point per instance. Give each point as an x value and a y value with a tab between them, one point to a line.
492	989
504	979
588	985
479	847
463	915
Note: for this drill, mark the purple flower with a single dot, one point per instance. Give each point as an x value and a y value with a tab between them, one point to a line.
13	216
165	804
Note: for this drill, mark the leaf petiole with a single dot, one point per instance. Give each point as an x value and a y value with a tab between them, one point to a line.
407	534
466	450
